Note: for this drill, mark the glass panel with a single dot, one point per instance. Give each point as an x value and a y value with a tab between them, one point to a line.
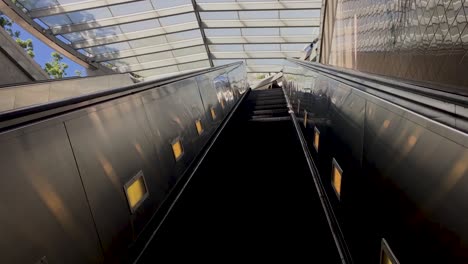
193	65
147	42
225	48
89	15
293	47
184	35
218	15
222	32
124	62
155	56
177	19
131	8
158	71
299	31
224	62
262	47
35	4
260	31
189	51
58	20
258	14
299	13
171	3
142	25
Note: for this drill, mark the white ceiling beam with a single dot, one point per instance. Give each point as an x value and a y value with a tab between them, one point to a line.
119	20
120	54
255	54
261	23
93	41
261	39
162	63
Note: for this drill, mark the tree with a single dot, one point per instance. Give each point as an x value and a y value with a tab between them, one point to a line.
27	45
56	68
78	73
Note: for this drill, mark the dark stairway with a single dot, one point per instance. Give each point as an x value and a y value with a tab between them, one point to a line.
252	199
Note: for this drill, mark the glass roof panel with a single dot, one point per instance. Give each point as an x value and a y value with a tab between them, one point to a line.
262	47
35	4
260	31
177	19
225	48
131	8
147	41
194	65
57	20
258	14
184	35
89	15
167	4
156	56
142	25
294	14
218	15
223	32
299	31
139	36
189	51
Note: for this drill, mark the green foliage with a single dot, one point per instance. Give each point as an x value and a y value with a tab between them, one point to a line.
27	45
56	68
78	73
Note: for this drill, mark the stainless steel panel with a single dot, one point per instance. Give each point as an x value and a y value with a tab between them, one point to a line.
43	204
404	174
172	111
48	212
112	144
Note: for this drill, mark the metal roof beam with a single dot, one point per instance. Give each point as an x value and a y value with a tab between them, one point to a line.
119	20
120	54
255	55
159	31
78	6
199	21
260	39
260	6
261	23
162	63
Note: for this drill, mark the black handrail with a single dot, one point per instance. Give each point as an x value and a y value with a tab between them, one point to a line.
372	80
21	116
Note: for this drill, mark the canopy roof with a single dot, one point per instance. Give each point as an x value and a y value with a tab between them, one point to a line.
158	37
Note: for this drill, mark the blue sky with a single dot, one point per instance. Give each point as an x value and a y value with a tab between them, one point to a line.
43	52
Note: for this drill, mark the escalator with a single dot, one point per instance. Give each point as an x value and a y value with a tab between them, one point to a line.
252	197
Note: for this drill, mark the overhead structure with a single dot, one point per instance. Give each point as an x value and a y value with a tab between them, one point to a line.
158	37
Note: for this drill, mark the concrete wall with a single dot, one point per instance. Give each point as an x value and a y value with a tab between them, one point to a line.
39	93
17	66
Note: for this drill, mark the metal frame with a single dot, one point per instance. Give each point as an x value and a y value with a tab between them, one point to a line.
119	20
163	63
200	23
259	6
73	7
332	220
86	29
145	196
385	249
